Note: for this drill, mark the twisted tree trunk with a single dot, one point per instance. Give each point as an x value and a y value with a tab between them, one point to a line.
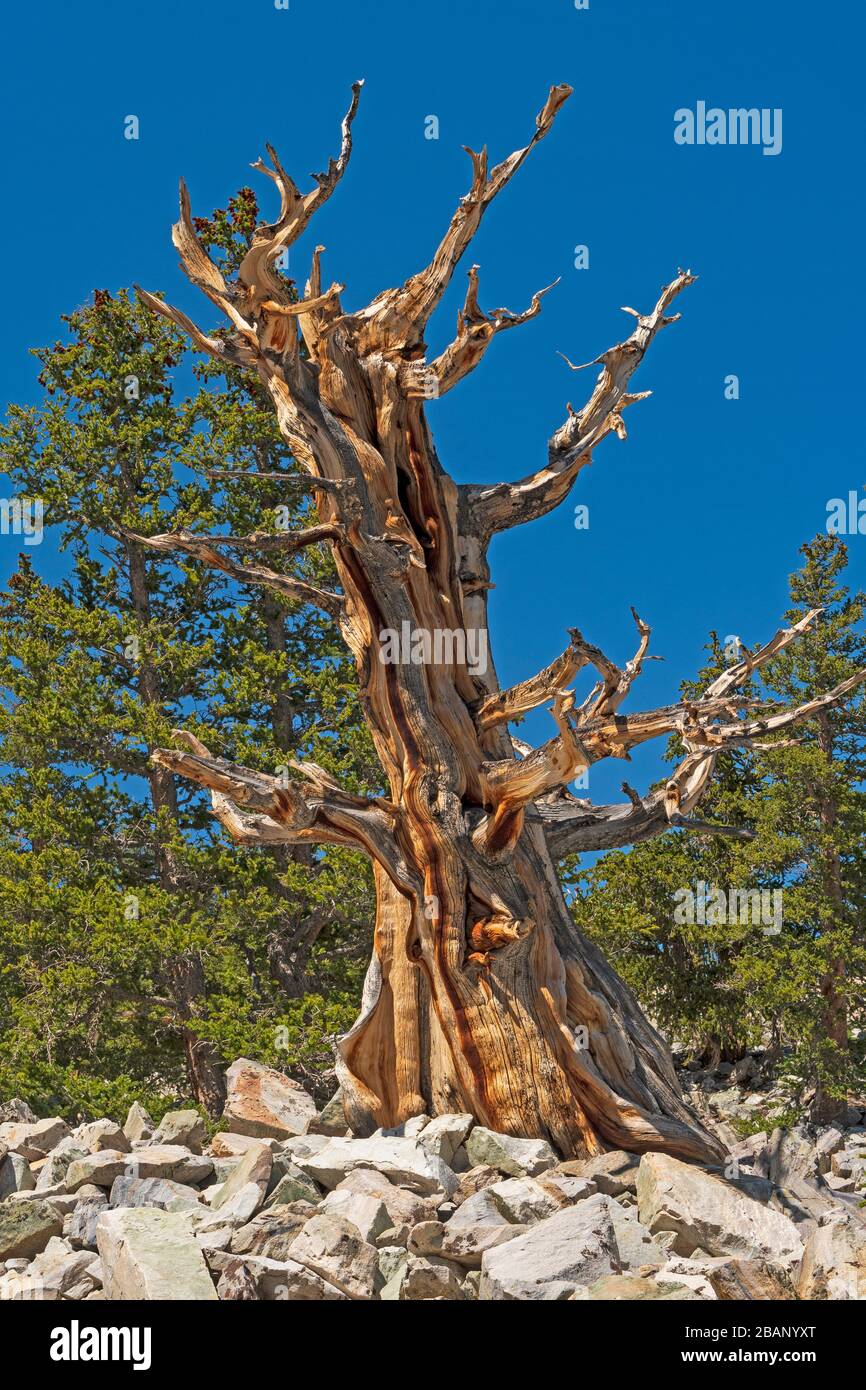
481	994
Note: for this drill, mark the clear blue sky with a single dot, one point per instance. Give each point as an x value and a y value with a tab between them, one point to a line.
696	519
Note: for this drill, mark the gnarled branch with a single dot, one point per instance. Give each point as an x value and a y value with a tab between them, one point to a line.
602	733
259	809
605	699
205	549
498	506
396	319
296	209
475	331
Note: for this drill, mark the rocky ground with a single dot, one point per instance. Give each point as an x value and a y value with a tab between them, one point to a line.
284	1204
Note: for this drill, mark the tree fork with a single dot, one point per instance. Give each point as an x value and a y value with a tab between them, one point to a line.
481	995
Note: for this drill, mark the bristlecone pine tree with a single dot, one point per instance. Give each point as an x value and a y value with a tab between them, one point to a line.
481	995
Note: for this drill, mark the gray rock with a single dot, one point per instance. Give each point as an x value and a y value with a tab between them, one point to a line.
68	1274
828	1143
35	1140
151	1254
515	1158
422	1280
264	1103
153	1192
481	1209
171	1161
236	1282
401	1160
391	1259
101	1169
331	1119
366	1212
16	1111
523	1200
464	1246
26	1228
613	1173
837	1184
566	1188
394	1235
16	1175
693	1271
407	1129
286	1280
834	1261
792	1157
444	1135
402	1206
184	1127
751	1280
226	1145
245	1190
473	1180
55	1167
332	1248
627	1288
138	1123
702	1210
553	1259
82	1225
269	1234
99	1135
168	1161
293	1187
633	1240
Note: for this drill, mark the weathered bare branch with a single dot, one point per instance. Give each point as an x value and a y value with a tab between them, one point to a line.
475	331
529	694
396	319
201	548
236	352
498	506
284	542
604	699
260	809
590	737
296	210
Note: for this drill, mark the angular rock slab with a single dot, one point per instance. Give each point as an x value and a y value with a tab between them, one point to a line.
627	1288
34	1141
168	1161
553	1259
834	1261
99	1135
184	1127
403	1161
151	1254
332	1248
138	1124
243	1193
705	1212
516	1158
444	1135
26	1228
613	1173
264	1103
417	1280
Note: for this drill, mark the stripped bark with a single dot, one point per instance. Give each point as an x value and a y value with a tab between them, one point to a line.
481	995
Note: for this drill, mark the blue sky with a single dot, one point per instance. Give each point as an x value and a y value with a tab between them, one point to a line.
697	518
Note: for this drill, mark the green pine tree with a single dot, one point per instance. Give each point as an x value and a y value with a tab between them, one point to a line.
724	980
139	951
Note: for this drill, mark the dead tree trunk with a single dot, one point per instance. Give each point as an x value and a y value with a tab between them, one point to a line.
481	995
